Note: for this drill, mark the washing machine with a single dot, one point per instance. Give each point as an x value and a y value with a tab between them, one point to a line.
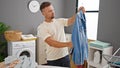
21	48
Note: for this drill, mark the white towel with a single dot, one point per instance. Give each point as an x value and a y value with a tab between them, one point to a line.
19	65
10	59
26	62
97	57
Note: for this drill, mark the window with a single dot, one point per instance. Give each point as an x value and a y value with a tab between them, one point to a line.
92	12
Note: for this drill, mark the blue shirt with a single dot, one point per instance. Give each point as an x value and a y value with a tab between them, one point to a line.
79	40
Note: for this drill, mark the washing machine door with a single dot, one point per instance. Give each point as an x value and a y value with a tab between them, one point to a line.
25	51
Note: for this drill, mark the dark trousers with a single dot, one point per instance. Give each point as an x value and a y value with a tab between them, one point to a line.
63	62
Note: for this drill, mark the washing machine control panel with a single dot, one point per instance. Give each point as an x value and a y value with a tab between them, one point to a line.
22	44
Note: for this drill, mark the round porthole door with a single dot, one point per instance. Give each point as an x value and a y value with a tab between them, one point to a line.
25	51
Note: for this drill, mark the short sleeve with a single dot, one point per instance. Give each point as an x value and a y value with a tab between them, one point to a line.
43	33
64	21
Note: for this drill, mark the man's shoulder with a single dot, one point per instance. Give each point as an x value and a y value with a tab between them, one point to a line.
41	25
59	19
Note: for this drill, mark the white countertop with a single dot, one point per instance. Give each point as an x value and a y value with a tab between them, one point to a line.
45	66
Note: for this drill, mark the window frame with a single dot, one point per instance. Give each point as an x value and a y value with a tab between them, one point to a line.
88	11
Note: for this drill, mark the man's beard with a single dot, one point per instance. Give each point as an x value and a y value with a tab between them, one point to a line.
52	17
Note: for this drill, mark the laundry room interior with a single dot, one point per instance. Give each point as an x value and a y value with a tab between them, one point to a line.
20	36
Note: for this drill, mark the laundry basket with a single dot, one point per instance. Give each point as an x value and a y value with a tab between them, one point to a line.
13	35
113	60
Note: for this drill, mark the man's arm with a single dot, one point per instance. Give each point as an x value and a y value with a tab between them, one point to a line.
71	20
50	41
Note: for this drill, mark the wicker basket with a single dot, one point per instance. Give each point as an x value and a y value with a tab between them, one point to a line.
13	35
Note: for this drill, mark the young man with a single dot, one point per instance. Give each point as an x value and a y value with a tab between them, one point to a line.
51	31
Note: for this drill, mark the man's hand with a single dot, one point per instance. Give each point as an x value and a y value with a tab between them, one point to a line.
82	8
71	20
69	44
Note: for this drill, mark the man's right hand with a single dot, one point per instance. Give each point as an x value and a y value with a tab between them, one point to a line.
70	44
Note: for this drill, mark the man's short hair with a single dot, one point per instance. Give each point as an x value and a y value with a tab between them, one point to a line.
44	4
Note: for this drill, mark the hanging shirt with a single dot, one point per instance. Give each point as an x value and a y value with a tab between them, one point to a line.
79	40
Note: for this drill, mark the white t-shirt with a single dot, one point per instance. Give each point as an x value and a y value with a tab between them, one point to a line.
54	29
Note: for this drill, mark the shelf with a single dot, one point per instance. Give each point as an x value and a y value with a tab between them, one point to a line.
103	62
97	65
96	48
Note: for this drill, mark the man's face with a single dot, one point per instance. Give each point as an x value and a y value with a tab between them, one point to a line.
48	12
